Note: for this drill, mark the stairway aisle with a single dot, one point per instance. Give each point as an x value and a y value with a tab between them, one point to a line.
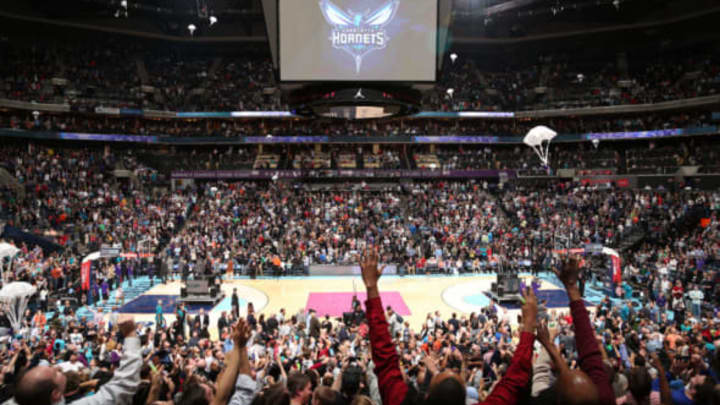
139	286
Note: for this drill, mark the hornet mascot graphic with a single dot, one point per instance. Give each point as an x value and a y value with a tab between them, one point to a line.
358	33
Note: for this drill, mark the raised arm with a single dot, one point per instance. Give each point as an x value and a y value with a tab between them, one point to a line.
392	387
589	355
121	388
278	360
226	381
665	395
245	386
517	376
543	376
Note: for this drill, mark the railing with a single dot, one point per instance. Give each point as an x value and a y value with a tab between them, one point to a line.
344	139
565	112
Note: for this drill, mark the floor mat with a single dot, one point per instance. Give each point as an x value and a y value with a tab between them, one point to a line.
335	304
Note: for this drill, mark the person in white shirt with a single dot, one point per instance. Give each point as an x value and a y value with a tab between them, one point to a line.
76	338
71	365
696	298
43	298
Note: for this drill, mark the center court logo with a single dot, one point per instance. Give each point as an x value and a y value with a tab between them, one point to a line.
359	33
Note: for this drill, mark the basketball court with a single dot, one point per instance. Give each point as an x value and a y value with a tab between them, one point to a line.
413	297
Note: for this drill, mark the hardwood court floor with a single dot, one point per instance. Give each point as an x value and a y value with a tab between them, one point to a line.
421	295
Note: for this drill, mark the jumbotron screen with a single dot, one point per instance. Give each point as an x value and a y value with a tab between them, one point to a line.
358	40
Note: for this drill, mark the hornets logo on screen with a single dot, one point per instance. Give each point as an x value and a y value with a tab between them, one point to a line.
359	33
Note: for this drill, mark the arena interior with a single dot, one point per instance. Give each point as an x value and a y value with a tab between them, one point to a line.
366	202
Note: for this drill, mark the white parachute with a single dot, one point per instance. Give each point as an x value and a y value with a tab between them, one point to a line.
14	298
539	139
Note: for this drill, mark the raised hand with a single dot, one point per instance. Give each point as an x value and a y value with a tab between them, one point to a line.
529	310
543	334
569	271
369	267
655	361
241	333
126	324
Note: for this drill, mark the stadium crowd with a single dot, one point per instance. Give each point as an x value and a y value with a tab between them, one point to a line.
92	123
276	229
111	72
605	356
71	197
563	81
653	339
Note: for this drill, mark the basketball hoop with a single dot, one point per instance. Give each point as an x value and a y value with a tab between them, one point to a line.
539	139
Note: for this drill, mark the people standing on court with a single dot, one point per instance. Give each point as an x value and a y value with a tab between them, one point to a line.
159	319
251	315
204	319
180	313
235	303
222	322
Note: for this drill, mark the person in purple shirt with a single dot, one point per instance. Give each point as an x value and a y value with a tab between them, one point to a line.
96	292
129	273
118	274
661	301
105	290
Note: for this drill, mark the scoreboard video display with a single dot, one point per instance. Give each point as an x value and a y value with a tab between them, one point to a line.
358	40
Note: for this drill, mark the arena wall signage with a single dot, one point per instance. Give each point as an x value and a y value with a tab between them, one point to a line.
420	139
295	174
558	112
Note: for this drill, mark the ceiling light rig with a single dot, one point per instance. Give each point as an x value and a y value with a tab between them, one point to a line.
557	8
122	11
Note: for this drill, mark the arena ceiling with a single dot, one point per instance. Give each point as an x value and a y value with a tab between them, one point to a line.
472	19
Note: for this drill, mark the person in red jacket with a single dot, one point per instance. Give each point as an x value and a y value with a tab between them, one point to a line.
446	388
591	384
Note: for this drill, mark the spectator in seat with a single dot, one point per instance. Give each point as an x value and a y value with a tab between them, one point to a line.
236	375
43	385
